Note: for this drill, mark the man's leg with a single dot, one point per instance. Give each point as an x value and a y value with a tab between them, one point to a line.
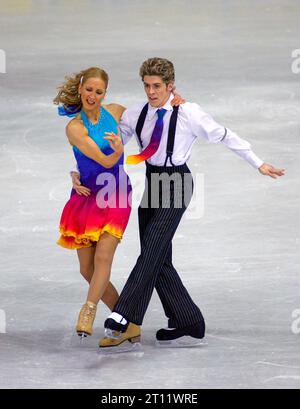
170	289
168	286
156	235
155	243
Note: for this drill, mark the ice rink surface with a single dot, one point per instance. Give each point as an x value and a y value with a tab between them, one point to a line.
237	250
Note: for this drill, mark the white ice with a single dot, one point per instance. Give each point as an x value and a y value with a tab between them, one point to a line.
239	259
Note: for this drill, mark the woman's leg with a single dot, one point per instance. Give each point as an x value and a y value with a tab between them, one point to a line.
103	257
110	296
86	261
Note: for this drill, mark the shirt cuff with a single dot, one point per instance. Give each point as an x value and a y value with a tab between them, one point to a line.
74	169
251	158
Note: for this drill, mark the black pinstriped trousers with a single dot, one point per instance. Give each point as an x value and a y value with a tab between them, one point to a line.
154	268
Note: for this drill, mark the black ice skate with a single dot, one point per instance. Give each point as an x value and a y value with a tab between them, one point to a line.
190	336
114	329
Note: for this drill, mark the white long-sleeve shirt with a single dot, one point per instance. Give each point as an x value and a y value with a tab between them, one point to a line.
192	122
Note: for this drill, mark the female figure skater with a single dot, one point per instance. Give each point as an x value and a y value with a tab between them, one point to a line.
90	223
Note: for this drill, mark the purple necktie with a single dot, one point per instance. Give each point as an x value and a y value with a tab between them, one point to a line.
154	141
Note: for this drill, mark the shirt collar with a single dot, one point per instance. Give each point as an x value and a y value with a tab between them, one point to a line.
152	110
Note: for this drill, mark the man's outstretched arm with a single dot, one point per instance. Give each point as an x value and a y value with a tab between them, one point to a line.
204	125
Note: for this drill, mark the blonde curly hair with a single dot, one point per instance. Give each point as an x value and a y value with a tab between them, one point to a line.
68	92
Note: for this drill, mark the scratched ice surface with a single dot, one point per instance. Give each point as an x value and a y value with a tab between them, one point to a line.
237	249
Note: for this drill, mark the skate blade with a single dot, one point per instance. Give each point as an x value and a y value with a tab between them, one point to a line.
109	333
81	340
182	342
126	346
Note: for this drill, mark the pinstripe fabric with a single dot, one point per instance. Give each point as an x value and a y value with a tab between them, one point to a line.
154	266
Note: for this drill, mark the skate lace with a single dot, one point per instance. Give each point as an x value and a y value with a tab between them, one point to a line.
88	314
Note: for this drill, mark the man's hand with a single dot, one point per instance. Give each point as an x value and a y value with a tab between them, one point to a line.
80	190
271	171
177	100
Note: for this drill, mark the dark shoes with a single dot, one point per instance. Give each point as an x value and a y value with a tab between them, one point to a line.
111	327
189	336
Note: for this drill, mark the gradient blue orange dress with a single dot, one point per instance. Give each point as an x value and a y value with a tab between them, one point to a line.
107	209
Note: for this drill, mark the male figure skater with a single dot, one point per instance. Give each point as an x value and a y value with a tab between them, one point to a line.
165	136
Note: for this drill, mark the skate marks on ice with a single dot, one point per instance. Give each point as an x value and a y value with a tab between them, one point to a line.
277	365
22	147
283	376
283	373
230	339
